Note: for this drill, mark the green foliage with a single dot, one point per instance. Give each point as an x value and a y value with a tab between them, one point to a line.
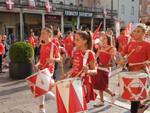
21	52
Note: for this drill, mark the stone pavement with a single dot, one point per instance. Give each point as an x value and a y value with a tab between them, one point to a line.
15	97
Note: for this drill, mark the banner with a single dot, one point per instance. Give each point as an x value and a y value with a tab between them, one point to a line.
31	3
48	6
9	4
117	25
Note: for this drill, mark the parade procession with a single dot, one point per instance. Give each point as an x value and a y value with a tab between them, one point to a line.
74	56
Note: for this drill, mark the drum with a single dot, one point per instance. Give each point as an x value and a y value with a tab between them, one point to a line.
133	85
41	82
70	96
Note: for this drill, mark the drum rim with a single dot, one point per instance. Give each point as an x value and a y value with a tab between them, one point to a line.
38	73
133	74
68	79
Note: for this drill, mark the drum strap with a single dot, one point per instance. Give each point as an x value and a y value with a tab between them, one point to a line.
85	58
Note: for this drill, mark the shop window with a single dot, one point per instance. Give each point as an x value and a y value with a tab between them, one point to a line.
122	9
148	9
132	10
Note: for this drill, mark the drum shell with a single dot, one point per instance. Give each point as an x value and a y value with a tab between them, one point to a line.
133	85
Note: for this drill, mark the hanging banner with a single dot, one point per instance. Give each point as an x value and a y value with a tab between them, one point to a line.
31	3
10	4
48	6
117	25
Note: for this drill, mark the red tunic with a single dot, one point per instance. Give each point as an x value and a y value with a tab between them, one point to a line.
32	40
77	67
68	41
140	52
78	61
101	80
45	54
2	49
123	41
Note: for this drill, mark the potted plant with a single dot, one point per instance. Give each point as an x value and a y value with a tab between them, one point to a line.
21	60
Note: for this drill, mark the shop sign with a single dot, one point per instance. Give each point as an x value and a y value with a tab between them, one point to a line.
76	13
52	18
85	14
71	13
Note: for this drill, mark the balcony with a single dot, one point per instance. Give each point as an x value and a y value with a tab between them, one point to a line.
58	7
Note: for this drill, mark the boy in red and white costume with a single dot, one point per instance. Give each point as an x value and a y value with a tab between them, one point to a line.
69	44
123	40
138	56
49	54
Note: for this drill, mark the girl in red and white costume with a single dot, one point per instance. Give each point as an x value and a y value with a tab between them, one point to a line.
105	53
49	54
83	43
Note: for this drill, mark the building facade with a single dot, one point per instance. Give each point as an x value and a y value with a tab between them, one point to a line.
128	11
66	14
145	11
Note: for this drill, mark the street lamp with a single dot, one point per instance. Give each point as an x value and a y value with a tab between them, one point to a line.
104	21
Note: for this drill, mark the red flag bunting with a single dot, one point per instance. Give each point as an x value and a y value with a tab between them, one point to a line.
31	3
9	4
48	7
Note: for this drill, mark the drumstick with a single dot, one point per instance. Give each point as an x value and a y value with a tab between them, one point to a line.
62	67
130	53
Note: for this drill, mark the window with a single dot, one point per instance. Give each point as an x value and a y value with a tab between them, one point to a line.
132	10
148	9
81	1
122	9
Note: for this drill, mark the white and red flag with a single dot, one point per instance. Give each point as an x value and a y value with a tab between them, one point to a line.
117	25
40	83
31	3
48	6
96	32
128	29
10	4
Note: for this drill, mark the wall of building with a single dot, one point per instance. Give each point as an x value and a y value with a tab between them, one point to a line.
9	20
128	11
145	11
67	2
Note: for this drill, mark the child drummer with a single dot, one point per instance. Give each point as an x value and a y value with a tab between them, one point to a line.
138	54
49	54
83	44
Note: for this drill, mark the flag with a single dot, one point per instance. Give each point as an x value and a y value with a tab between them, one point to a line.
96	32
104	12
31	3
48	6
128	29
40	83
9	4
117	25
59	33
